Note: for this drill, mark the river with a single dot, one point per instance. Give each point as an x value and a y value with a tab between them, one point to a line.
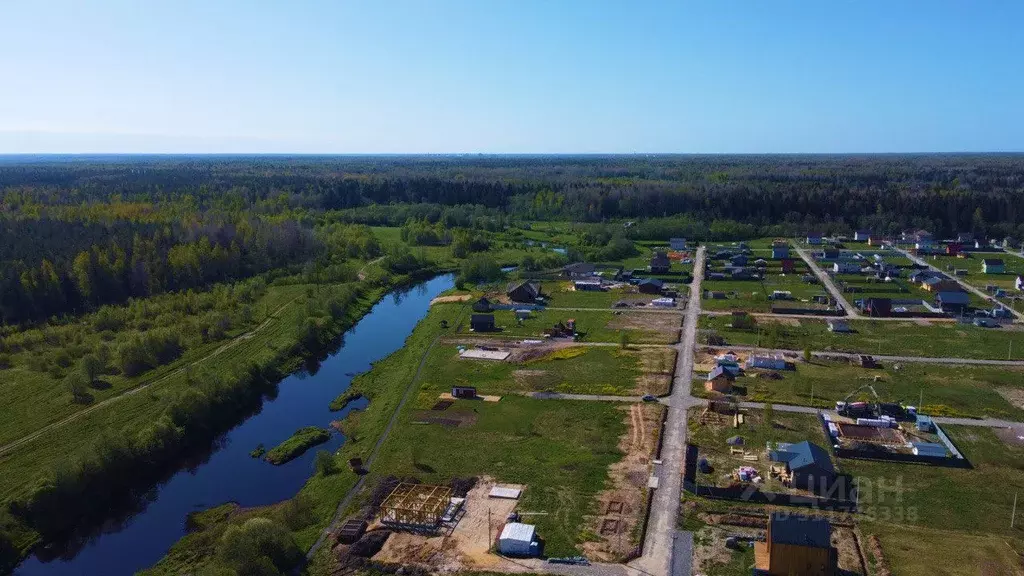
229	473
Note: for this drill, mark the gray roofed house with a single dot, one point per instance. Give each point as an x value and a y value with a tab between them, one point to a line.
954	302
579	269
801	530
809	464
660	263
525	291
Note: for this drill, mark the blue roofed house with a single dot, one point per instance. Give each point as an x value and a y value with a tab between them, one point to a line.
780	250
808	464
738	260
993	266
677	243
861	235
814	238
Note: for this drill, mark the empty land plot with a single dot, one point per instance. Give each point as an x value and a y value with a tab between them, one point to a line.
561	450
978	500
921	551
620	508
891	338
592	326
574	369
975	391
754	295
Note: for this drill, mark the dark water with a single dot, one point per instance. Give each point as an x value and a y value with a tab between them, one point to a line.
228	473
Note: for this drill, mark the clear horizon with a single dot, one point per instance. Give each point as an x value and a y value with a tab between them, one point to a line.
528	78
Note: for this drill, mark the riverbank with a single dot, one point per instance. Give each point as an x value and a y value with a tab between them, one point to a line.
185	414
320	495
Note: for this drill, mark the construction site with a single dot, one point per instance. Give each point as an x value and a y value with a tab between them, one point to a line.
864	426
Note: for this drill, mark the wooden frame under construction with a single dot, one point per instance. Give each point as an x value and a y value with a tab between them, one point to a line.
416	505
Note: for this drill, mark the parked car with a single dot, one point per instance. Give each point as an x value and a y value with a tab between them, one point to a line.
649	398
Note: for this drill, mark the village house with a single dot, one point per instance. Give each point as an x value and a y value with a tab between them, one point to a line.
846	268
788	266
766	362
861	235
953	302
738	260
677	243
579	270
650	286
993	266
481	322
796	545
482	305
813	238
808	464
660	264
965	237
719	380
1018	283
839	327
954	248
780	249
935	284
525	291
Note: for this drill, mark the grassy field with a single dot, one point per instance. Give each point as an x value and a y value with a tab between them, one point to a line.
936	339
752	295
932	551
945	390
575	370
560	450
642	328
976	500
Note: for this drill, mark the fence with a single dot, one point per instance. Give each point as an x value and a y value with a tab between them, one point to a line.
754	495
955	461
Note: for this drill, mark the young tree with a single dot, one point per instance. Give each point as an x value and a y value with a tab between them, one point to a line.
91	367
325	463
623	339
76	384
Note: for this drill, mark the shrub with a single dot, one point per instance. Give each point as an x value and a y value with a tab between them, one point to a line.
325	463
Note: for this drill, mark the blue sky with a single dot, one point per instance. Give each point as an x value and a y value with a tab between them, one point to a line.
554	76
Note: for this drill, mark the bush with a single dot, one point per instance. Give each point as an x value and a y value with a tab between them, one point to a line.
258	545
325	463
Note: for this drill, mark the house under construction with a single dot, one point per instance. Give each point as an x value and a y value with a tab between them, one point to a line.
416	506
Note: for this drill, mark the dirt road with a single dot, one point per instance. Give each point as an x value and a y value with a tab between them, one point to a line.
661	527
826	280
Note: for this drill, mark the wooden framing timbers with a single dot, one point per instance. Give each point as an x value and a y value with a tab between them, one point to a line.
415	505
